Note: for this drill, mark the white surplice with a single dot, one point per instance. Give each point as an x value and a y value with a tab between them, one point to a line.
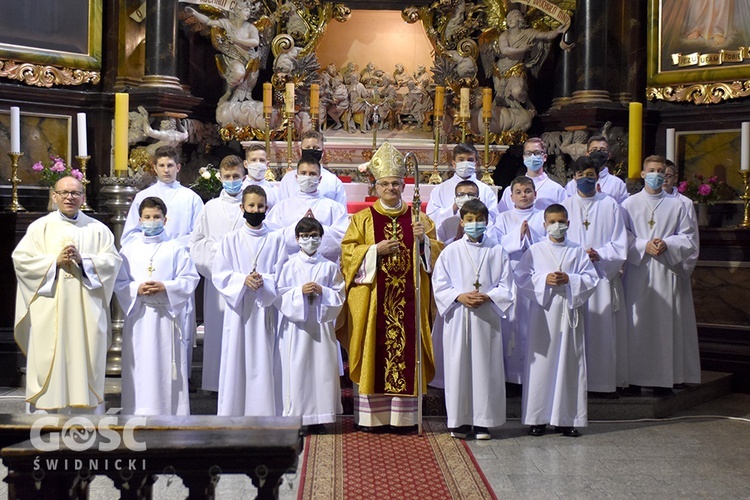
154	348
309	352
606	321
330	186
547	193
220	216
507	231
443	197
472	338
607	184
332	215
555	379
272	191
249	358
62	321
661	352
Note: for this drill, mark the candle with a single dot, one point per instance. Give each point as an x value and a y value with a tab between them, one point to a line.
314	100
439	100
15	129
82	150
745	146
122	103
267	98
463	109
289	98
670	144
486	103
635	139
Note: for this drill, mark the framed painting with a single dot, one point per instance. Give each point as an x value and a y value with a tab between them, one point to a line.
710	153
698	41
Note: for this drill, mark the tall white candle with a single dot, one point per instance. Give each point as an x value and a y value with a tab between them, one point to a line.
82	150
289	98
15	129
670	144
745	146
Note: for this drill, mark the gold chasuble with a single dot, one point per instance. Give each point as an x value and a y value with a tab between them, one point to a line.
380	337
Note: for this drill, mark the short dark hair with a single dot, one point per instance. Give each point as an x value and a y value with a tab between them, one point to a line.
256	146
536	140
465	148
584	163
522	180
308	160
307	225
475	207
555	208
231	161
167	151
466	183
152	202
254	189
312	134
596	138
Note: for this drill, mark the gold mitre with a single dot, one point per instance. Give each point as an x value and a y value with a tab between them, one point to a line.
387	162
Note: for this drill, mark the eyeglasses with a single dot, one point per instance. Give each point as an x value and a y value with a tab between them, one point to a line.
598	150
72	194
386	185
670	176
529	154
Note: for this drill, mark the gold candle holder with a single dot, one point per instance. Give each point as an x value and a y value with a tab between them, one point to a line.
289	118
464	123
745	224
269	172
14	206
435	176
83	161
487	177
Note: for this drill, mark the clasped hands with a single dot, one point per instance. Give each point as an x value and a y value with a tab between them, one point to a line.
387	247
68	256
557	278
254	280
312	289
473	299
151	288
656	247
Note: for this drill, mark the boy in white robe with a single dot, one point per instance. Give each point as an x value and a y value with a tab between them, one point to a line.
310	203
558	277
472	284
449	229
156	280
661	238
310	297
597	225
219	217
598	150
516	230
245	270
256	163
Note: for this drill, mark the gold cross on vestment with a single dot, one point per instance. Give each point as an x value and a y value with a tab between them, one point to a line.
150	268
477	284
651	223
586	224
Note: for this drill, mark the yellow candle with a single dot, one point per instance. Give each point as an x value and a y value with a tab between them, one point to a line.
122	102
314	100
463	109
635	140
289	98
439	100
267	98
486	103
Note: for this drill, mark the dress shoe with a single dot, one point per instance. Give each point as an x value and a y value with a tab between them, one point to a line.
537	430
317	429
568	431
663	392
369	429
482	433
603	395
631	390
460	432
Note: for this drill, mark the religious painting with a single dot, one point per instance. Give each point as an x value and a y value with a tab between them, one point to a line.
710	153
698	41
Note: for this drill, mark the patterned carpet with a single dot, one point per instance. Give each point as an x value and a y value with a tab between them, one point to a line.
350	464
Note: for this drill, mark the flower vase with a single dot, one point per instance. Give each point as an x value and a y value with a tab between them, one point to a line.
51	205
701	210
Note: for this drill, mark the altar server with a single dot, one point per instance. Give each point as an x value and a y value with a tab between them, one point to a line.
598	150
256	163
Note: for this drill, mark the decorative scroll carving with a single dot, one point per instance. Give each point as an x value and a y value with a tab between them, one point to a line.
701	93
46	76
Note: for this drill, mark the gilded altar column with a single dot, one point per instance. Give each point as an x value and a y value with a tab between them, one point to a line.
161	45
591	47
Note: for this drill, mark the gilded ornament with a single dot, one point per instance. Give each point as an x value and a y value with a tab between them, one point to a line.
45	75
701	93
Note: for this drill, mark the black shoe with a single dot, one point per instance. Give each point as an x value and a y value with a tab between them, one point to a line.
370	430
537	430
482	433
317	429
406	429
461	432
631	390
568	431
663	392
603	395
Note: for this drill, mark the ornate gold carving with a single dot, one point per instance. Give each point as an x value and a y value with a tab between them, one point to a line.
248	133
44	75
396	268
701	93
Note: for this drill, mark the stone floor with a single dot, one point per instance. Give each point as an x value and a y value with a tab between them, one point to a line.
703	452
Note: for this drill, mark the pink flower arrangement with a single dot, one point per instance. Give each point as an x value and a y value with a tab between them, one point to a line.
705	190
55	170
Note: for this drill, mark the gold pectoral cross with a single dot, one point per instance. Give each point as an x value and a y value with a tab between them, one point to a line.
477	284
586	224
150	268
651	223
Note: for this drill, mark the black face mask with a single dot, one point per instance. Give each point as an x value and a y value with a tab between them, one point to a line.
599	157
315	154
254	218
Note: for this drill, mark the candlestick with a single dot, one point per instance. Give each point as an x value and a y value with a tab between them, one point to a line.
463	109
745	146
82	149
14	206
122	107
315	104
745	224
439	102
289	98
267	98
15	129
289	118
635	139
486	103
435	176
670	144
83	161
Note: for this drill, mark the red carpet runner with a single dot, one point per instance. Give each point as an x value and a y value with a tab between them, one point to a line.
350	464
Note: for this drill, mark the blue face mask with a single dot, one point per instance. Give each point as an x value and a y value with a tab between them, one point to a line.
475	229
152	227
654	180
232	187
533	163
586	185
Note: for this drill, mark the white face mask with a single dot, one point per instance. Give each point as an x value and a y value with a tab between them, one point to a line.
462	199
557	230
308	183
309	244
257	170
465	169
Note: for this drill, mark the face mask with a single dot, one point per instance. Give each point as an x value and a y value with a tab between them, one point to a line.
533	163
599	157
257	170
475	229
654	180
586	185
309	244
465	169
308	183
461	199
152	227
255	219
557	230
315	154
232	187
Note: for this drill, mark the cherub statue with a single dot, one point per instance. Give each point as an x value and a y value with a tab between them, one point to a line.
171	132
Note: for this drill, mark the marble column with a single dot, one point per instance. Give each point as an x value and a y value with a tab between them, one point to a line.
161	45
591	47
565	73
